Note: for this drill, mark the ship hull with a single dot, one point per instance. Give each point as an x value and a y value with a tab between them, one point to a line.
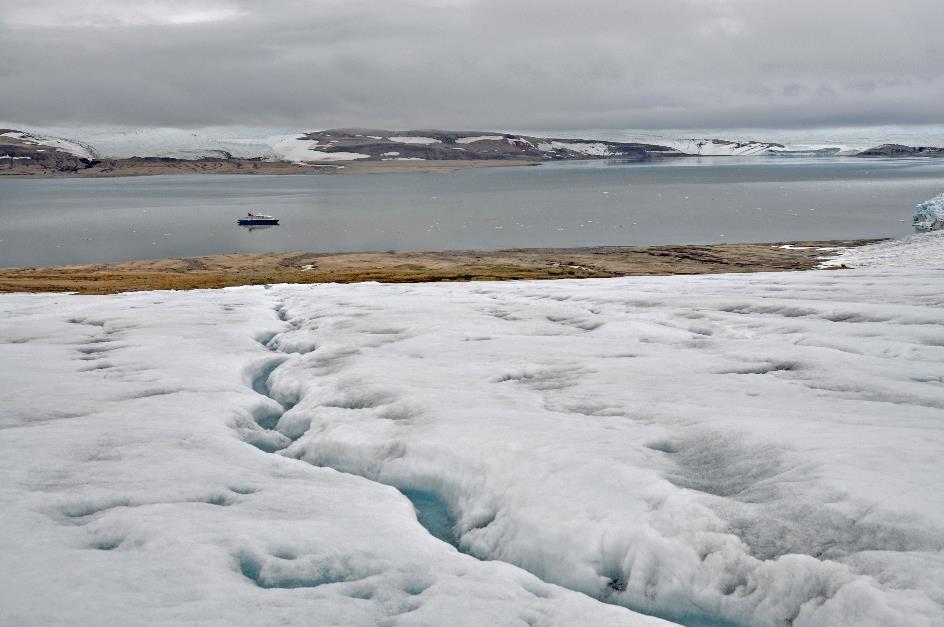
256	221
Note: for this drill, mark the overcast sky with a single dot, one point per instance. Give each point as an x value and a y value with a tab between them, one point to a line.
464	64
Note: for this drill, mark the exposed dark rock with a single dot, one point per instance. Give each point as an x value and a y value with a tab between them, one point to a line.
898	150
382	145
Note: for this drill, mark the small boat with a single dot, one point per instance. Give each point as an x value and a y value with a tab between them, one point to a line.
254	219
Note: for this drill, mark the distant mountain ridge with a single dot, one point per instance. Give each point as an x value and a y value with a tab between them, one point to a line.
31	152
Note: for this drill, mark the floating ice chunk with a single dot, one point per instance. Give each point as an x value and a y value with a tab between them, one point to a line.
929	215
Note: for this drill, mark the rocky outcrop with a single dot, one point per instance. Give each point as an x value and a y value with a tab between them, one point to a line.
383	145
898	150
19	149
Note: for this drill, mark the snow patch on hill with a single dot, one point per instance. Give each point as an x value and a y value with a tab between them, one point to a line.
409	139
71	146
479	138
718	147
598	149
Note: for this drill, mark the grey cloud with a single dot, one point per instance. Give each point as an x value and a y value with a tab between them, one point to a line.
474	64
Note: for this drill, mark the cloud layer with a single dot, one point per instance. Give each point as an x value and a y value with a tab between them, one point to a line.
473	63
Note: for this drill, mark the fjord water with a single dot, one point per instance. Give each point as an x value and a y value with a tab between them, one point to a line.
62	221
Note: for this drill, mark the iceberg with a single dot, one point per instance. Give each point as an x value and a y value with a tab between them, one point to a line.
929	215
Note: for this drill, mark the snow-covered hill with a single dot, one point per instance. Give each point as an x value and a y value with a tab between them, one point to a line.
371	144
79	149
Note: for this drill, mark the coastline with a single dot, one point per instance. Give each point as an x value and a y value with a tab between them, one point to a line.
154	167
416	267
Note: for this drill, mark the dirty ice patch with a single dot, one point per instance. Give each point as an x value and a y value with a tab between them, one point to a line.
480	138
598	149
921	250
318	155
405	139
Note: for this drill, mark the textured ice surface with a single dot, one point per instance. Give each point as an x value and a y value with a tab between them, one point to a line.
929	215
921	249
764	449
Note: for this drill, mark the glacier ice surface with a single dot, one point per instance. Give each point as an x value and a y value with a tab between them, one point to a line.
758	449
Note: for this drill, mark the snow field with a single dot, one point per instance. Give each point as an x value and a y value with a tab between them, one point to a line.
762	449
598	149
915	251
704	464
131	498
480	138
298	150
713	147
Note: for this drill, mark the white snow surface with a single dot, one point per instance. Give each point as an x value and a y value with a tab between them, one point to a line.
764	448
405	139
297	149
594	148
479	138
318	155
714	147
292	147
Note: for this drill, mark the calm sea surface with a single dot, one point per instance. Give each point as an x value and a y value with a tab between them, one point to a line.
59	221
